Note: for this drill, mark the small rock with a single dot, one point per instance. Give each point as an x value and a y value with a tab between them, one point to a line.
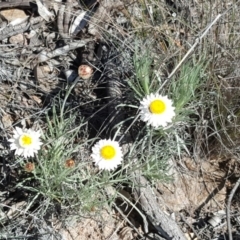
36	99
19	38
7	120
12	14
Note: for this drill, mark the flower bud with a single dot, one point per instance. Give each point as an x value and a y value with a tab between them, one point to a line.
70	163
29	167
85	71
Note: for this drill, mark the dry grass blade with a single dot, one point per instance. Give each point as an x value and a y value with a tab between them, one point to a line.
198	40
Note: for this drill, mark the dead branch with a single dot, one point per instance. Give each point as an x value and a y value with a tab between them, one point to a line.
164	225
44	56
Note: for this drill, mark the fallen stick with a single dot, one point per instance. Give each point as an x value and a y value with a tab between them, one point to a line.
163	224
44	56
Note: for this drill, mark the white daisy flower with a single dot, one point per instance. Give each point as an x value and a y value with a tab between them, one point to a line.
156	110
107	154
25	142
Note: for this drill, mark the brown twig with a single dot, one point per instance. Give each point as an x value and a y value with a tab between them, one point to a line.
190	226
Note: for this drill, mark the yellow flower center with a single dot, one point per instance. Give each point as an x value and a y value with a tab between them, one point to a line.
157	106
108	152
25	140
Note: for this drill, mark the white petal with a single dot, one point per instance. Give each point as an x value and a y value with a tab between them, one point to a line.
19	151
13	146
25	154
19	131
